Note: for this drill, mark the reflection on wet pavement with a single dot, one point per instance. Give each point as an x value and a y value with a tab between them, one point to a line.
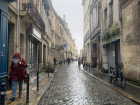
130	89
71	86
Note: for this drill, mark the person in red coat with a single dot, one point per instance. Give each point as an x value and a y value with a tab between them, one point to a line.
16	74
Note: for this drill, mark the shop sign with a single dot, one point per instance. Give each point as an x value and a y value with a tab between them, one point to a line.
36	33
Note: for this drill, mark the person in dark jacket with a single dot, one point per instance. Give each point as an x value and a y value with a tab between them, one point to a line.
68	60
16	74
79	62
54	60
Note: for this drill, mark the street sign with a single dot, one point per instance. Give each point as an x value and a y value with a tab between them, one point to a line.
65	45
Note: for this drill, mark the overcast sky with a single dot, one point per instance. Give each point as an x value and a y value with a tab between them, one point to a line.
73	11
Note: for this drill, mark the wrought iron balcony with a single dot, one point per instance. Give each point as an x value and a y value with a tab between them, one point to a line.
29	6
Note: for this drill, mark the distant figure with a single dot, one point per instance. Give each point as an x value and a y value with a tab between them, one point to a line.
68	60
54	60
79	62
84	62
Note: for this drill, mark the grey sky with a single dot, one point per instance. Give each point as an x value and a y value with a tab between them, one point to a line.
73	11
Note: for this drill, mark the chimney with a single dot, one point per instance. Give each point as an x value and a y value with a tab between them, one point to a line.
64	17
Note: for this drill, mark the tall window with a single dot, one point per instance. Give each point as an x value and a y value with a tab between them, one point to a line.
105	14
111	13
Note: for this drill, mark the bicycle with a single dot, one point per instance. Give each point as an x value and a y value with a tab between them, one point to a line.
116	76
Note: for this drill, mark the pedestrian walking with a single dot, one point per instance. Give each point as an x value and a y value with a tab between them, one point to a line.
84	62
54	60
79	62
17	68
68	60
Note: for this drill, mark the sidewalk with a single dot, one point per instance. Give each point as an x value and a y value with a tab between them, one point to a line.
43	78
129	88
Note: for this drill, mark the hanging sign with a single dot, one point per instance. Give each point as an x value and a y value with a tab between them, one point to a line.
64	45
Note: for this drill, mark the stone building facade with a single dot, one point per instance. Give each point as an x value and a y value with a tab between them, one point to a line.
86	27
37	33
110	34
95	33
130	44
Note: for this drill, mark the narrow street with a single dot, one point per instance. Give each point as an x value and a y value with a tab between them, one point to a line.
72	86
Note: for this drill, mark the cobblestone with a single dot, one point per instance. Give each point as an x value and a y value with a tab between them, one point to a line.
71	86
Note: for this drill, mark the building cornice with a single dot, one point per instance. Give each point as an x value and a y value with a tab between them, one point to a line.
124	3
83	2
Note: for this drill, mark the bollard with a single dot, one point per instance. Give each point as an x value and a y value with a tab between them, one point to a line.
27	95
48	70
89	67
86	67
2	94
111	79
37	80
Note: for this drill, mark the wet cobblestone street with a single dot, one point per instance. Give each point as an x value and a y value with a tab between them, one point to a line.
72	86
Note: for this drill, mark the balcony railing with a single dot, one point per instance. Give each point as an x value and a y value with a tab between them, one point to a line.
29	6
110	19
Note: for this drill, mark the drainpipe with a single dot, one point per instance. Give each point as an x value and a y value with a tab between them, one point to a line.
90	31
100	32
18	30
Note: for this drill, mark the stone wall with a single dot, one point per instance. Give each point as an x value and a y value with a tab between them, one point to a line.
130	48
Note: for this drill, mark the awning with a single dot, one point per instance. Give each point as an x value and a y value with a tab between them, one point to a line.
33	34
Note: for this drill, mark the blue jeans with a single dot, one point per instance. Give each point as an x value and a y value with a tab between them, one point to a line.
79	64
15	87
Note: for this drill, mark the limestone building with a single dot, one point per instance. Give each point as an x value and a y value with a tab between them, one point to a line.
95	33
86	28
110	34
130	42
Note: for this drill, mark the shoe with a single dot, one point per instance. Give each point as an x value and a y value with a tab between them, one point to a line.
20	96
12	99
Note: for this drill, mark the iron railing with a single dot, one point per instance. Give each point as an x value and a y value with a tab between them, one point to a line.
30	7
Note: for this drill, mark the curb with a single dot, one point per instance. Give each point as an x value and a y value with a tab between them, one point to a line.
132	98
47	86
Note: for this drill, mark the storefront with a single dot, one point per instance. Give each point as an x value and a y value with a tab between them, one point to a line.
113	53
33	39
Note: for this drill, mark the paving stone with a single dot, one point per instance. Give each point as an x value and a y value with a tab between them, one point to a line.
71	86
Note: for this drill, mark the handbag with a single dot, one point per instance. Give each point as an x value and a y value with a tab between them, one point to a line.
25	72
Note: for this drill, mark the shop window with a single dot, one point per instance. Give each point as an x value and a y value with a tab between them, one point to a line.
31	55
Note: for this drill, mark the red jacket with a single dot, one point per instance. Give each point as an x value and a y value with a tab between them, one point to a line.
16	72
